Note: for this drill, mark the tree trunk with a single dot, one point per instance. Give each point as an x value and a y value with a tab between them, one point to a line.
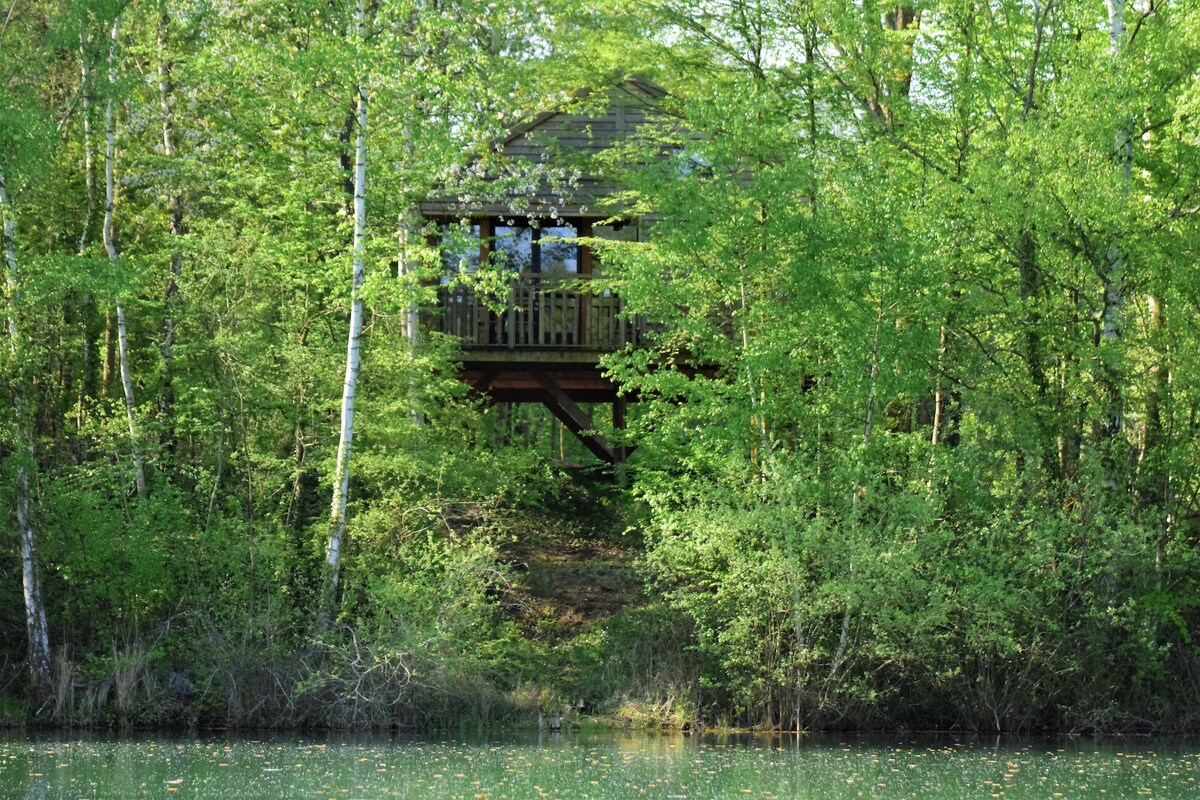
897	85
89	151
36	629
341	475
1154	475
299	452
1030	274
87	382
167	348
38	654
1113	279
110	245
810	92
1156	395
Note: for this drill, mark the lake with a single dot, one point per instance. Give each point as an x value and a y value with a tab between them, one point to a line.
591	765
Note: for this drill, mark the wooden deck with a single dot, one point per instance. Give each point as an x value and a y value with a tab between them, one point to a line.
542	344
545	313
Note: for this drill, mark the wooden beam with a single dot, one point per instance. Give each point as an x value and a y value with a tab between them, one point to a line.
574	417
508	394
486	380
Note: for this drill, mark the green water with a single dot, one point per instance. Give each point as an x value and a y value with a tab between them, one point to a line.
573	765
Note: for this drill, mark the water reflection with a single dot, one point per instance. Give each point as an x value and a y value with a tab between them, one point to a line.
571	764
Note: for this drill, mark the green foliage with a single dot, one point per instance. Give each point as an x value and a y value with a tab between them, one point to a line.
896	492
916	422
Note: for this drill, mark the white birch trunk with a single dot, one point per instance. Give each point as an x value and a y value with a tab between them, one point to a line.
89	155
10	258
1112	315
1116	26
757	421
37	631
110	245
341	476
85	234
167	347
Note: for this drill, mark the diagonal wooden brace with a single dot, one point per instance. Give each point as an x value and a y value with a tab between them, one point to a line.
574	417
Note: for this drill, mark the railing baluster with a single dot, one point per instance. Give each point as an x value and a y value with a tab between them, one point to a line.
535	306
605	331
560	317
542	311
611	315
514	296
529	306
621	322
462	310
472	304
609	322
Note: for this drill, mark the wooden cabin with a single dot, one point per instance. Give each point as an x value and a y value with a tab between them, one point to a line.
539	338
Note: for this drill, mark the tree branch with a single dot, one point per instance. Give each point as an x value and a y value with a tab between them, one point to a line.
1150	11
7	19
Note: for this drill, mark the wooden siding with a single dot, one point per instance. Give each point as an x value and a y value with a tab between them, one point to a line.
567	141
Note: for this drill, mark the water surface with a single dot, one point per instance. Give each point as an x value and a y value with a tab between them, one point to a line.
602	766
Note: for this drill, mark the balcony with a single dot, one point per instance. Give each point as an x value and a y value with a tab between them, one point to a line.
542	312
543	345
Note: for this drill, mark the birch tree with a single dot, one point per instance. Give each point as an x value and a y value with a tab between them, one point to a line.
432	70
341	474
37	633
87	90
177	228
1112	273
110	246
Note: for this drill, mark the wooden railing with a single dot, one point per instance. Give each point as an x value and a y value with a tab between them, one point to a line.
541	312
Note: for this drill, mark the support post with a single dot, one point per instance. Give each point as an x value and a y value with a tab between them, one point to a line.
574	417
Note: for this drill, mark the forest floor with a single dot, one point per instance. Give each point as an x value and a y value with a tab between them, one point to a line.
561	583
571	563
609	650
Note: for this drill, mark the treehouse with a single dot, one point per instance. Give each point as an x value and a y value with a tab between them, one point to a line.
535	330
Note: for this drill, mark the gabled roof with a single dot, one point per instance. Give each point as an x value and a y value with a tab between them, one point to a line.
555	151
630	94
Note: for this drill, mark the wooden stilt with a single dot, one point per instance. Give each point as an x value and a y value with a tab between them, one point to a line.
574	417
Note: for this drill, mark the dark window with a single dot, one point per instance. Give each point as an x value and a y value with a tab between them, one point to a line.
558	250
513	248
524	246
460	247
